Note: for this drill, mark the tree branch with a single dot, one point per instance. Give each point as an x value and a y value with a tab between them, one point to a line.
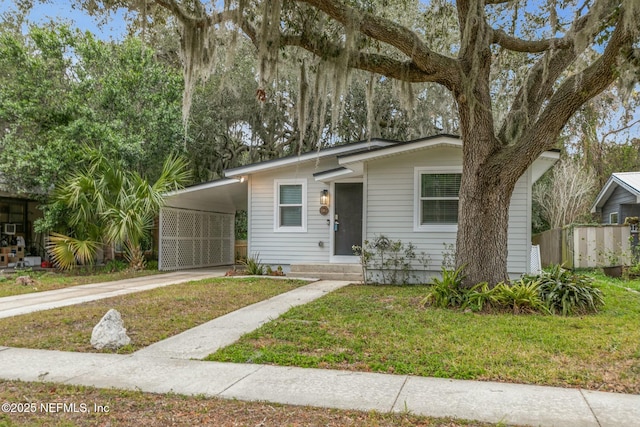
390	33
528	46
621	129
570	96
379	64
544	74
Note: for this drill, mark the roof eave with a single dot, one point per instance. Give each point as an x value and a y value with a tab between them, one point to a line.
305	157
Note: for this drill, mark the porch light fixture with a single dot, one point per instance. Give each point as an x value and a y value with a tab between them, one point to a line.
324	197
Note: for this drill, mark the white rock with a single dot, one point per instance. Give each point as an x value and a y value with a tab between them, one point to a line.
110	332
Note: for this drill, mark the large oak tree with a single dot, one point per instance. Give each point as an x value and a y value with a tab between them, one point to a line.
573	49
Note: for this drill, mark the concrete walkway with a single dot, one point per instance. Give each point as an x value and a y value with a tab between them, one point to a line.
475	400
163	367
37	301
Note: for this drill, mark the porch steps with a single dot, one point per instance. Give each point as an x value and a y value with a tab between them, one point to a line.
348	272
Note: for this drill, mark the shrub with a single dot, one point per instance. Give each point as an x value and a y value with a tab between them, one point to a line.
389	262
115	265
567	293
479	297
557	291
152	265
447	291
519	297
253	266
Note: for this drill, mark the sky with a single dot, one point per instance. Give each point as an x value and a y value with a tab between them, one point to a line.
60	10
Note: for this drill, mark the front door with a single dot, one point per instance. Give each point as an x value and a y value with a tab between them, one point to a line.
347	226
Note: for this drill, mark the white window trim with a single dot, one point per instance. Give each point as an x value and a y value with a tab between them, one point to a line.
276	206
417	172
611	215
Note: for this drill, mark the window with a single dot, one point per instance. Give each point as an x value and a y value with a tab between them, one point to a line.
437	198
613	218
291	198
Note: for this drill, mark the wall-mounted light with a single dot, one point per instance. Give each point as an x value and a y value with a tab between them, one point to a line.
324	197
243	179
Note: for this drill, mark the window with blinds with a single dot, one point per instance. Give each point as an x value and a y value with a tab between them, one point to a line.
439	198
290	206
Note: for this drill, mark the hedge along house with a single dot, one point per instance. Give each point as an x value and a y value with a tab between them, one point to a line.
312	208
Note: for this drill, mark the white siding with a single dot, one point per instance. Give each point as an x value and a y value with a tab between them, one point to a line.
390	207
284	248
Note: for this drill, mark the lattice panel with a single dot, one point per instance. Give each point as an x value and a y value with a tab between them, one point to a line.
169	226
192	239
185	224
197	252
168	251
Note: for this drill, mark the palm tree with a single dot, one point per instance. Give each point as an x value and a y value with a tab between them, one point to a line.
113	206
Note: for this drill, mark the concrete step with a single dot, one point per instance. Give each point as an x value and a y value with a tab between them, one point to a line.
327	268
350	277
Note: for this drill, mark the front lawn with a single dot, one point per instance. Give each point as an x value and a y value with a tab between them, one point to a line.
386	329
51	280
149	316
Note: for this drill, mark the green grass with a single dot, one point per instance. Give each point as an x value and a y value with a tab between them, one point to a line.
51	280
149	316
385	329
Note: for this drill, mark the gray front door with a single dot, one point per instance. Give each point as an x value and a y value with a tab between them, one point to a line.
348	217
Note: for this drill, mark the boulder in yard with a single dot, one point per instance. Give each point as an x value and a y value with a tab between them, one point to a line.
25	281
110	332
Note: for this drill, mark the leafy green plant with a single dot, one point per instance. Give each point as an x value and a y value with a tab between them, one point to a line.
389	262
519	297
253	266
115	265
152	265
565	292
479	297
447	291
449	256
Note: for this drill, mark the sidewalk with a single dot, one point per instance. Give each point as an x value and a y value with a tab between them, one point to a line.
36	301
164	367
475	400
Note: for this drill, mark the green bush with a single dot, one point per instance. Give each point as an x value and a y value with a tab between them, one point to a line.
519	297
479	297
253	266
447	291
567	293
152	265
115	265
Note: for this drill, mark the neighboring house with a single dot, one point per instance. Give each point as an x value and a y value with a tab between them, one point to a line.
17	214
619	198
313	207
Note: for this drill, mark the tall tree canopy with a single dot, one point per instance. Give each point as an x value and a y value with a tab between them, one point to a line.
475	49
63	90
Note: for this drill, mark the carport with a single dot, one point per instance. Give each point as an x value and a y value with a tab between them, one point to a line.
196	225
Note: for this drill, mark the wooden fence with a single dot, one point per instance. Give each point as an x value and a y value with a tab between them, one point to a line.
585	246
241	249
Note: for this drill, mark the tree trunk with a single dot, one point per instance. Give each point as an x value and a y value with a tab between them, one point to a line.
482	229
485	195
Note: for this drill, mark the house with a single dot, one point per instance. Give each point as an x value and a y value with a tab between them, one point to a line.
619	198
17	214
313	207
